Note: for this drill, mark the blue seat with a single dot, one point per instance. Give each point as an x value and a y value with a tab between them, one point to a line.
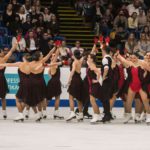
3	31
5	41
1	42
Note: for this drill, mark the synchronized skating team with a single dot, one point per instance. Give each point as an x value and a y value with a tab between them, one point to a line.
125	76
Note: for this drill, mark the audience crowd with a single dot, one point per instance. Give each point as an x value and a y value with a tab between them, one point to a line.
126	22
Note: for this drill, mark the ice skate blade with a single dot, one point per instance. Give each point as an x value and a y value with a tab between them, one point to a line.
27	117
80	120
4	117
137	122
44	117
19	120
58	118
38	120
71	119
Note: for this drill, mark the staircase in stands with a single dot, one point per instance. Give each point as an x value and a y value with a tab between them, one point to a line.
73	28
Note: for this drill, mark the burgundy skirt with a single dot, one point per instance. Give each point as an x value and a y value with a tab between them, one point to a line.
53	88
37	89
24	87
75	88
3	84
96	90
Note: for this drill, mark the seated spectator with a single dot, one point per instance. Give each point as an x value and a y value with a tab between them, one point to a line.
97	14
87	10
16	24
133	22
27	6
142	20
54	26
131	43
36	3
120	38
47	15
106	23
134	7
79	6
22	14
77	47
65	53
34	15
27	25
40	22
121	20
146	30
124	9
51	44
8	16
148	17
43	44
21	45
38	10
32	43
143	45
16	5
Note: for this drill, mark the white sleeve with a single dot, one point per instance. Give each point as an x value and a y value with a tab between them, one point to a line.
14	41
105	63
24	43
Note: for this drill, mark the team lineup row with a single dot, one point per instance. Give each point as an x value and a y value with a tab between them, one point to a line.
126	77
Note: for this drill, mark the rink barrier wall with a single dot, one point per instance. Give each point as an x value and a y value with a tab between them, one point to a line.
11	74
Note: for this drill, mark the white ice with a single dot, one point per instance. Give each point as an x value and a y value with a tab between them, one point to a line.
58	135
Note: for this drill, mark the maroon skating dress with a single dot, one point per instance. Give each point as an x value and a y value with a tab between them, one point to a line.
75	88
85	89
54	85
94	88
24	87
121	81
37	89
116	77
3	84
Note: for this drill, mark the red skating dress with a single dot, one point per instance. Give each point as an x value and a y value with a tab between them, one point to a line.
135	84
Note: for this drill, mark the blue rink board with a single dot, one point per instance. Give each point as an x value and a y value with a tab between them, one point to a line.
63	103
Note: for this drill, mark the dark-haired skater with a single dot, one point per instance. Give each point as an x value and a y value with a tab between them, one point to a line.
136	69
24	84
75	86
3	83
93	75
54	85
37	82
107	82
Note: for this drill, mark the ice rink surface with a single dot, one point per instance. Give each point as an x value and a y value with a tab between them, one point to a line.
58	135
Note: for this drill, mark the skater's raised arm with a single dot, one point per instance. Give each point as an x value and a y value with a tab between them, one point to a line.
10	64
125	62
48	55
6	57
94	50
72	72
